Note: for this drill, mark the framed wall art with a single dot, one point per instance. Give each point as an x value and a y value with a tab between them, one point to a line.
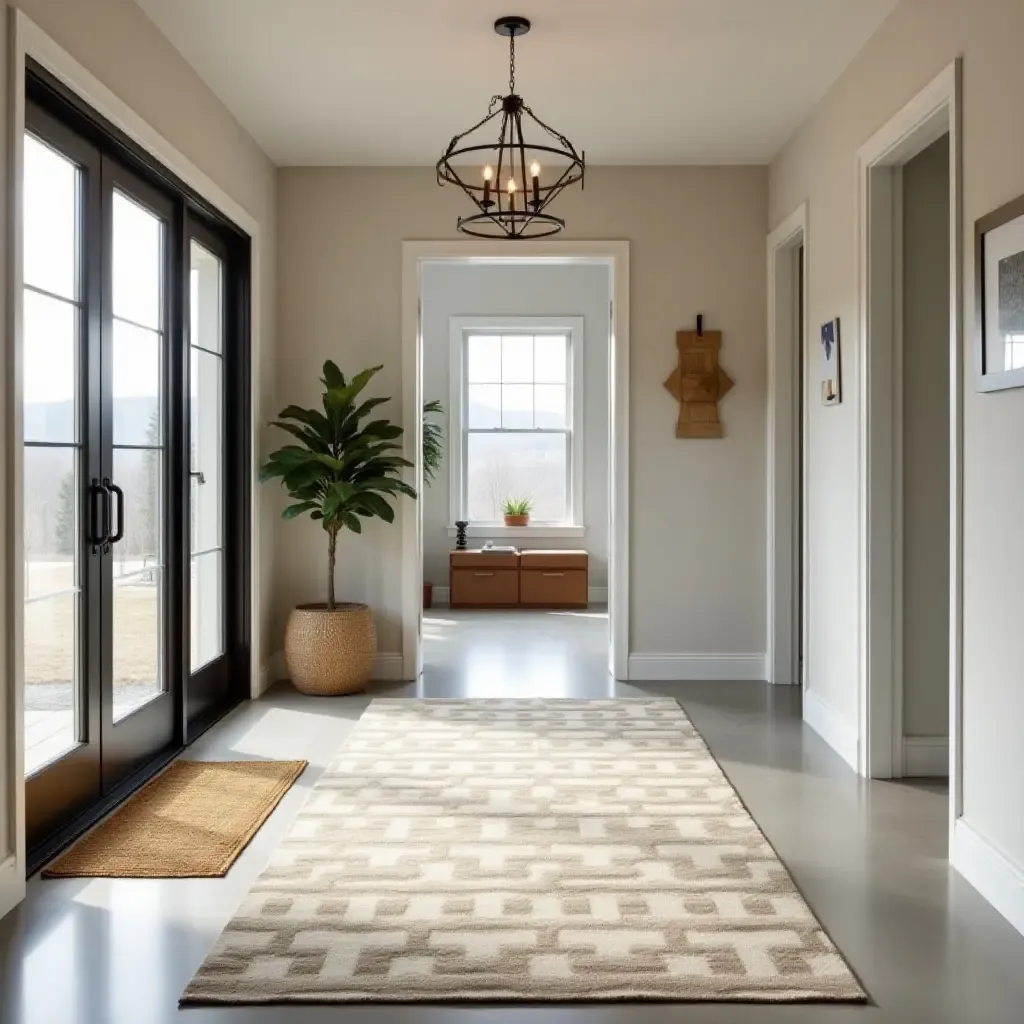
999	298
831	366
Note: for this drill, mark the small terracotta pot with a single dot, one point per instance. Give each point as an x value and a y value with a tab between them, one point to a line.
330	653
428	595
517	520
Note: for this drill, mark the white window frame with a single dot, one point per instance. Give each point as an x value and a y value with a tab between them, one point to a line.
460	327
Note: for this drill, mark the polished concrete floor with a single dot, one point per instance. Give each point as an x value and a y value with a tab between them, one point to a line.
870	858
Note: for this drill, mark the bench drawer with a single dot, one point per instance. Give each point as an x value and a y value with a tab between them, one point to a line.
553	587
485	587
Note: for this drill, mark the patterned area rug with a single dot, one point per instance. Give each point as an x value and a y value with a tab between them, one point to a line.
537	850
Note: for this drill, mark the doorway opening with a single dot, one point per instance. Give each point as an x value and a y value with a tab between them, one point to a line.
787	474
910	441
517	366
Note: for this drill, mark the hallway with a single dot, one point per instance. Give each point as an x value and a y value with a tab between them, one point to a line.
515	652
869	857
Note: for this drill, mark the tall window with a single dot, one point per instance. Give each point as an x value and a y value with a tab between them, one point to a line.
518	409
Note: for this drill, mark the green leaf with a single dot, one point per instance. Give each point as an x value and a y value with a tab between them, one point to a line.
367	407
383	430
308	437
329	461
333	377
320	424
293	511
374	505
352	522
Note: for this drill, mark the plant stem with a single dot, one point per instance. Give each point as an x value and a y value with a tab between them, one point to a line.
332	545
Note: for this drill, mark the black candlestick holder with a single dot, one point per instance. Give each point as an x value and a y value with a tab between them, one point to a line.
460	534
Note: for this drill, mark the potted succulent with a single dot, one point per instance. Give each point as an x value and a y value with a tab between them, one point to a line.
433	456
517	511
341	472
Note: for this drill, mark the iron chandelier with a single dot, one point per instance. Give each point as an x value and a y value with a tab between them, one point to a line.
513	192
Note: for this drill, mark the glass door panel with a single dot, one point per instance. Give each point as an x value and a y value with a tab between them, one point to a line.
140	572
138	316
138	613
206	416
51	307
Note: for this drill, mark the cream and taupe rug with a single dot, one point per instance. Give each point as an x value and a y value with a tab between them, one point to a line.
538	850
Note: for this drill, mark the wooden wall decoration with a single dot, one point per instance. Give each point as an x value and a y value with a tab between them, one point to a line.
698	382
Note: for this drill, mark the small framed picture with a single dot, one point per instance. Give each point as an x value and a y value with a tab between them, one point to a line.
999	298
831	375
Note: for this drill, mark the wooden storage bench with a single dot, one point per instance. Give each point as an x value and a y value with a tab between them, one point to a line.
553	579
484	580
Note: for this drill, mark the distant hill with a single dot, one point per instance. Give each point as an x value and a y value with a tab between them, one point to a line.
53	421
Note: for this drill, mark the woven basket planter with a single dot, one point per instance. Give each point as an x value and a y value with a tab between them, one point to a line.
330	653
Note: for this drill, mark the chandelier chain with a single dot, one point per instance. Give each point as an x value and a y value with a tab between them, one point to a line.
512	63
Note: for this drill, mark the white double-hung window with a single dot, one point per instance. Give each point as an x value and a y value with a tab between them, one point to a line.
517	421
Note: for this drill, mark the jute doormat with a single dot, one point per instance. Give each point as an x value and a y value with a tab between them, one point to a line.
534	850
192	821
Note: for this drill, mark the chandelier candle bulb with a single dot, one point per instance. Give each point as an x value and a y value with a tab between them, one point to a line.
535	175
488	175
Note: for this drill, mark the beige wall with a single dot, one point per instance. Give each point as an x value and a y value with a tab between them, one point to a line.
817	164
118	44
925	442
697	245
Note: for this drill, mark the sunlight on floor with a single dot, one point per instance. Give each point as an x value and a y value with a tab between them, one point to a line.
264	738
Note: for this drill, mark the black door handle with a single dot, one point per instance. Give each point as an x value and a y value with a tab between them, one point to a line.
99	536
118	533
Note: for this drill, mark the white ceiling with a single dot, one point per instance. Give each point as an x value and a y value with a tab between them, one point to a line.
630	81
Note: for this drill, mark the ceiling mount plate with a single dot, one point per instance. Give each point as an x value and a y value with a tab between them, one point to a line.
513	25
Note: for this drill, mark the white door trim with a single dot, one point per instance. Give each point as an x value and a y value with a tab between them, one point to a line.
614	255
784	350
27	40
934	111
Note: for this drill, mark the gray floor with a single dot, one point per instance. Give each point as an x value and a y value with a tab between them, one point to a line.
870	857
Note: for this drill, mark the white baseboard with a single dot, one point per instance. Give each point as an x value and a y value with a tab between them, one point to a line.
595	595
831	727
683	667
388	667
12	884
925	755
990	871
272	671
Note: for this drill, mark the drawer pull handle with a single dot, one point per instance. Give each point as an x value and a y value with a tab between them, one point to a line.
483	574
552	574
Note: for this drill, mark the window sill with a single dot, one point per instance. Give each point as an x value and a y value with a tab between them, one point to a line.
540	530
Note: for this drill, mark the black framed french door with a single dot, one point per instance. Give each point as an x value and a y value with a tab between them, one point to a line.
135	466
139	565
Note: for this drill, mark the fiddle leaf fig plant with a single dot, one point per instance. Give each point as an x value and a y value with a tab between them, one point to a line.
342	470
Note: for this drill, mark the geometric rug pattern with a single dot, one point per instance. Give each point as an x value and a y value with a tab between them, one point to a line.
536	850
